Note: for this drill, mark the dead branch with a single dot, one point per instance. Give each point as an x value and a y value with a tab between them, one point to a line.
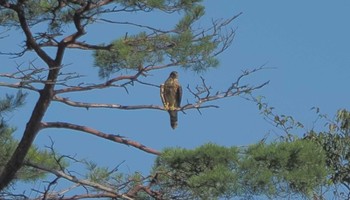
130	79
202	94
108	192
47	190
104	105
106	84
28	77
112	137
19	85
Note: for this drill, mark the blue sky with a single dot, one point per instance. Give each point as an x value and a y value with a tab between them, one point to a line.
305	45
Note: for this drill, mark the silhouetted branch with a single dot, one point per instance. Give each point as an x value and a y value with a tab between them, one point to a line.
112	137
108	83
28	77
11	195
47	190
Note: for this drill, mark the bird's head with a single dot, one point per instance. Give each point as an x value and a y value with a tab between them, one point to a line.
174	74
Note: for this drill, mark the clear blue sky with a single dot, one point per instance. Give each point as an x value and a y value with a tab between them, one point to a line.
305	42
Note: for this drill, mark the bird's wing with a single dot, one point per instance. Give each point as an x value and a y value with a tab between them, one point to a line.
178	95
162	94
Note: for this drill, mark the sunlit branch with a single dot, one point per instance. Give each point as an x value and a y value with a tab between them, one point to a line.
52	194
110	192
104	105
131	187
112	137
19	85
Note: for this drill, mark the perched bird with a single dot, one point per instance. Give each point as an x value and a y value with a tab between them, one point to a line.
171	93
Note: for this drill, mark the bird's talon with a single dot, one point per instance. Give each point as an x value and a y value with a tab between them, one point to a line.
166	107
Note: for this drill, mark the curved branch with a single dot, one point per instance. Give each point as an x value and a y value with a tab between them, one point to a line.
112	137
31	42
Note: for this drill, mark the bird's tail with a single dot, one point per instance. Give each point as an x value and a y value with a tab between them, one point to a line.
173	118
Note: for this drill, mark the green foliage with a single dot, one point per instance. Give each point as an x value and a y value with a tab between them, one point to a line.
8	143
130	53
44	158
212	171
33	9
182	46
335	143
343	117
282	166
41	157
133	52
7	17
97	174
11	102
190	17
164	5
205	172
51	11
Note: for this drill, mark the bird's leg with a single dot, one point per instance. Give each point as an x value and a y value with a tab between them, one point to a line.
172	107
166	106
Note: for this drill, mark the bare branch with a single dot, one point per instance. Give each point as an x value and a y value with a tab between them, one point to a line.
27	77
134	24
77	45
106	84
111	82
112	137
109	192
47	191
202	94
18	85
103	105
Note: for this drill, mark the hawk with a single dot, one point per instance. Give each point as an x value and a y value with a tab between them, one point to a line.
171	93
